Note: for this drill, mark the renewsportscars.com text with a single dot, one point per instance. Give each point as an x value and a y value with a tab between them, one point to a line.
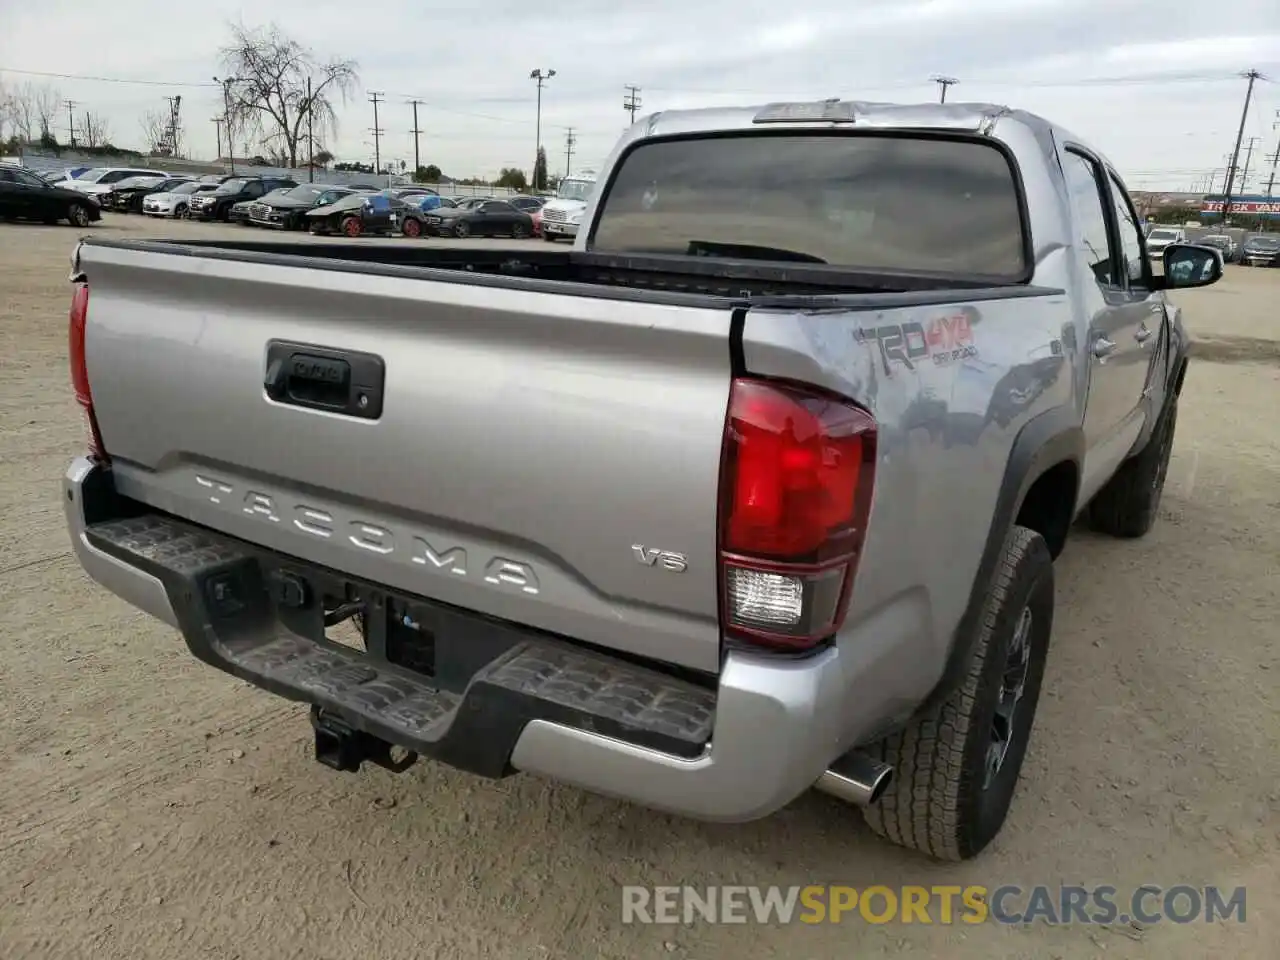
1008	904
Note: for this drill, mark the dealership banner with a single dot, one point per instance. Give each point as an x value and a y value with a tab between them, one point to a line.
1243	206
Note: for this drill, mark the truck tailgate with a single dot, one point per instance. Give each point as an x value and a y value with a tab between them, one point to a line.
532	451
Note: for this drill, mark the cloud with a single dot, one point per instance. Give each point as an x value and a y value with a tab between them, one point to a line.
1166	113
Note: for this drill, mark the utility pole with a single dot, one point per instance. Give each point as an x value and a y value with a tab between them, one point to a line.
311	136
1253	76
1274	158
175	105
542	77
569	142
1248	156
376	97
226	118
217	132
417	160
631	102
71	121
943	83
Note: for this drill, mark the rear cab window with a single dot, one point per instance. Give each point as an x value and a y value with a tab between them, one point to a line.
903	203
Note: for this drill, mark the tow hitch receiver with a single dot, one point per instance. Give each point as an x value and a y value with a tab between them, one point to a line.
342	747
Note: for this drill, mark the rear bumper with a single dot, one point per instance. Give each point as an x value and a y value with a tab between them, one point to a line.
527	702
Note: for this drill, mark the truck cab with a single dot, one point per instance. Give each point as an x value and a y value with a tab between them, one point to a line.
562	216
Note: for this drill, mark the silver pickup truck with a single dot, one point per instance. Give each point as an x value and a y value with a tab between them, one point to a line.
757	488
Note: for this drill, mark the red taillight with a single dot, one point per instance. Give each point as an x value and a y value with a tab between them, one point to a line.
79	370
796	485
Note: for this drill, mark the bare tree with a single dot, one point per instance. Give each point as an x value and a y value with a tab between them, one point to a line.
6	113
269	90
45	103
94	130
155	132
31	110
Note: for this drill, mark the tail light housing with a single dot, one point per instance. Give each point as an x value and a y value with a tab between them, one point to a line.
798	467
79	370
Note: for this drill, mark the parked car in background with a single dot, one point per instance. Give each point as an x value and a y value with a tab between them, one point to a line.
490	218
407	193
217	205
242	213
128	195
176	203
25	196
356	214
286	209
429	201
1224	243
527	204
1261	252
1161	237
466	203
99	180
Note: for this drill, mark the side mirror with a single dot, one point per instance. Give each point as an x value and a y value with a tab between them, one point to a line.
1189	265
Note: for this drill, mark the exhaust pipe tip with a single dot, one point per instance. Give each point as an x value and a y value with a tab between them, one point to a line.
857	779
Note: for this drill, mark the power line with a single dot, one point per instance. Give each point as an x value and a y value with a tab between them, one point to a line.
80	76
631	102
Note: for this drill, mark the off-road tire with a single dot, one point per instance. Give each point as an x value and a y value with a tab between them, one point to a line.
937	802
1128	504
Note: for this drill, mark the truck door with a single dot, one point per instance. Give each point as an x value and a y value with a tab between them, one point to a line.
1115	314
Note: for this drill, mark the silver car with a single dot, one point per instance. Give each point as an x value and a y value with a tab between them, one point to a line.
175	203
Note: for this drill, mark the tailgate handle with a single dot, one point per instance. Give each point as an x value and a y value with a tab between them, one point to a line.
323	378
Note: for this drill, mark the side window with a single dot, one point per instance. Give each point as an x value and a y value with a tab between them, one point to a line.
1085	188
6	177
253	188
1130	234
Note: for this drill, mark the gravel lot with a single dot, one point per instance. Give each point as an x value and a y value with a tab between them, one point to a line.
151	807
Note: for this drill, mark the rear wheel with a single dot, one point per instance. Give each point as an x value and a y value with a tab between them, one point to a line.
1127	506
462	230
956	765
411	227
519	231
78	214
352	226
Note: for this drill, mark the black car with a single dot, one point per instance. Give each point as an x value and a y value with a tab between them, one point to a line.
1261	252
490	218
128	195
217	205
355	215
24	196
287	211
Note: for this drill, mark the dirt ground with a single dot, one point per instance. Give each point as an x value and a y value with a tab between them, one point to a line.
151	807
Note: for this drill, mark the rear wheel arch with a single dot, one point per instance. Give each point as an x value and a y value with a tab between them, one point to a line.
1043	464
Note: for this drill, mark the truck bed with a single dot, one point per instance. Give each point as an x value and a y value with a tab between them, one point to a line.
524	453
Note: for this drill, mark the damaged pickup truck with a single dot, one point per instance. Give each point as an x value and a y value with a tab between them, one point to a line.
757	488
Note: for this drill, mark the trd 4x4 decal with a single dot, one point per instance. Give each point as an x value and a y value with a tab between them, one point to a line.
942	340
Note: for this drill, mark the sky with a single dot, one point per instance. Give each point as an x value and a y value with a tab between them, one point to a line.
1153	84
